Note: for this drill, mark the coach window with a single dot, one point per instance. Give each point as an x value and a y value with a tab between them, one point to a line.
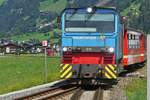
129	36
136	41
129	40
134	37
138	38
132	41
134	44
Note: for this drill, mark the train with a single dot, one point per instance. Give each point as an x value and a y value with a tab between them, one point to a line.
97	45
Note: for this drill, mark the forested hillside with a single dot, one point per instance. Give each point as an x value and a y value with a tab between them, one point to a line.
27	16
137	13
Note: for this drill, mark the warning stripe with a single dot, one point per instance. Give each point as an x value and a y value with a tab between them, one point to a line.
64	67
69	75
61	65
107	76
70	71
107	73
66	71
111	66
110	71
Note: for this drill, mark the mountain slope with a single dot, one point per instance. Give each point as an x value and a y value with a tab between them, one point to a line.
26	16
137	13
52	5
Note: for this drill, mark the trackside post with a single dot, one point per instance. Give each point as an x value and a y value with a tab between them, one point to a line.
45	44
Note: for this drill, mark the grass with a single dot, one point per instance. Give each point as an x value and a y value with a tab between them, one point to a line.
1	2
19	72
137	90
28	36
39	36
49	5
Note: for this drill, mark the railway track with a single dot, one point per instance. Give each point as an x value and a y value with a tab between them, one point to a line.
53	93
71	91
80	95
77	94
98	94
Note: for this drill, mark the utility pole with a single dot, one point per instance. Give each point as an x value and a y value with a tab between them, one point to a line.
45	44
45	66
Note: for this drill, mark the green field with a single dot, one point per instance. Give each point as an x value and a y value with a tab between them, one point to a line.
19	72
28	36
49	5
1	2
38	36
137	90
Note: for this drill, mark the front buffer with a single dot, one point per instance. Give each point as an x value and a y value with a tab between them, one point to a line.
88	71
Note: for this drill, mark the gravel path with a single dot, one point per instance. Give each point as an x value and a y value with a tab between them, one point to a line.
65	97
106	95
87	95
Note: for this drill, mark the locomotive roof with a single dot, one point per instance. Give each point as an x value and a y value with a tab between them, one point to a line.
134	32
105	7
95	7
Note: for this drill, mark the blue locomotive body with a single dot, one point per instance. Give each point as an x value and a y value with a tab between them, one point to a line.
89	35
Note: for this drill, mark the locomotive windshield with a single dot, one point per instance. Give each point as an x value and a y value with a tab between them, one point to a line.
102	23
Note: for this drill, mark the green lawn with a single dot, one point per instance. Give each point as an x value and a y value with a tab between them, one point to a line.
28	36
137	90
18	72
39	36
49	5
1	2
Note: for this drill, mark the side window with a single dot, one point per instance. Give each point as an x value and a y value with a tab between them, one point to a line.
131	36
129	41
133	41
137	41
134	37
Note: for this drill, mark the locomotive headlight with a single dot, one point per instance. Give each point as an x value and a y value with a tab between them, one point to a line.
64	48
111	49
89	9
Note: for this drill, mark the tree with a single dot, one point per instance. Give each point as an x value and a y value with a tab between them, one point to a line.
145	13
19	16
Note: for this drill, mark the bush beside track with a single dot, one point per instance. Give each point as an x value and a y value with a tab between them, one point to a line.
19	72
136	90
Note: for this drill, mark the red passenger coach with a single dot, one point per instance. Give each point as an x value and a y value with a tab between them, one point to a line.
134	47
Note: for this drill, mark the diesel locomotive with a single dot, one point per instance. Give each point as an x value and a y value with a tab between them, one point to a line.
96	45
